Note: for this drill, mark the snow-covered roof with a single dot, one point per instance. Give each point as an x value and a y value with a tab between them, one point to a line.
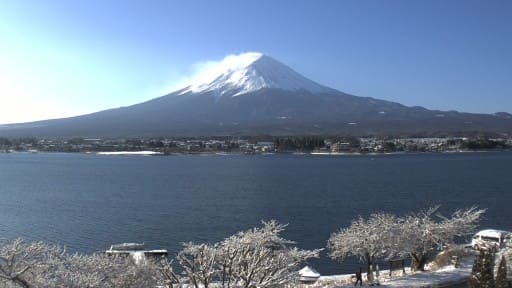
309	272
492	233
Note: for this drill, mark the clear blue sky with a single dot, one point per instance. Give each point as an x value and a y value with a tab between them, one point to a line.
60	58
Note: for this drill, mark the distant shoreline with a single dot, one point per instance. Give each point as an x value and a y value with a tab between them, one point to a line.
128	153
205	153
335	154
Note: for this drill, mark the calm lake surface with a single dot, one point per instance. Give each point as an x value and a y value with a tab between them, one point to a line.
87	202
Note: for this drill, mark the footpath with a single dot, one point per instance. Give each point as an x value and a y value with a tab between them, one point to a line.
447	276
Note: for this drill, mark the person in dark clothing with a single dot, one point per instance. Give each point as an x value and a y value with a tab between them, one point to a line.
359	278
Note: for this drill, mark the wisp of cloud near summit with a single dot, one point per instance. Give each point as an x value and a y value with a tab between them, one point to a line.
206	71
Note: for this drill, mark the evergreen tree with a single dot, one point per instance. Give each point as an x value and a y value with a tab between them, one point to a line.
474	280
501	277
482	272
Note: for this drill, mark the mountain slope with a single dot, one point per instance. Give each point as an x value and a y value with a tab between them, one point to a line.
249	72
253	94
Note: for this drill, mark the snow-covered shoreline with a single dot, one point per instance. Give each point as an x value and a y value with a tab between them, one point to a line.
128	153
447	276
334	154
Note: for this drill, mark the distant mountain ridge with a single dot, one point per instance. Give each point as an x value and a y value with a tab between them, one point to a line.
254	94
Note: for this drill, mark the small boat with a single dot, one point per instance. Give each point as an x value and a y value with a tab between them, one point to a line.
127	246
136	250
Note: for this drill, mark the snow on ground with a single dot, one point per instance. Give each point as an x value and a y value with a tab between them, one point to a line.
140	153
447	276
444	277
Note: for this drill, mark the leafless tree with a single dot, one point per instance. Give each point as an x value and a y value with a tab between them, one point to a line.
36	264
259	257
165	273
366	239
427	231
99	270
386	236
199	263
255	258
21	262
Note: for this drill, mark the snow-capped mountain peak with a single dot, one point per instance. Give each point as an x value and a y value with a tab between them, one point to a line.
247	72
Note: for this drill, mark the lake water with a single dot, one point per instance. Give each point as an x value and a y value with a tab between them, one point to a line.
87	202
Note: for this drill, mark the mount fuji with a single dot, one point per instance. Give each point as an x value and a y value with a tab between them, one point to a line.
250	72
254	94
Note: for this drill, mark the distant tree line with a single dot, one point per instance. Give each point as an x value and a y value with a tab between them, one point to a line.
483	144
298	143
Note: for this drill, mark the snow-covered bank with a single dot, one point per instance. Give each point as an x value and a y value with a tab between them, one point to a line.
447	276
139	153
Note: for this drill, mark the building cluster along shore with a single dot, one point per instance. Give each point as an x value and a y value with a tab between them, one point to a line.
251	145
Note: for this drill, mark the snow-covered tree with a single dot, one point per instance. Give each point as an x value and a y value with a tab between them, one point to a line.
463	222
367	239
501	276
99	270
417	235
259	257
198	263
36	264
427	231
21	263
166	274
482	271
